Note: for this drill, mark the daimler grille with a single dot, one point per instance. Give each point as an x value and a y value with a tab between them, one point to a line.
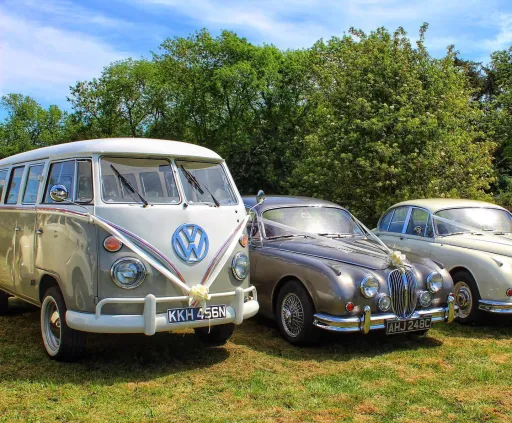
402	289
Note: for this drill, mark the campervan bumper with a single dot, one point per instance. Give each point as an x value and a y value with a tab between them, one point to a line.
244	304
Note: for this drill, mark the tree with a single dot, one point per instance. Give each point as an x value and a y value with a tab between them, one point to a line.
28	125
393	124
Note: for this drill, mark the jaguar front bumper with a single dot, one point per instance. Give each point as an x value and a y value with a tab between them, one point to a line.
367	322
149	322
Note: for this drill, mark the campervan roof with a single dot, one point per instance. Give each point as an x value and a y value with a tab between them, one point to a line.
122	146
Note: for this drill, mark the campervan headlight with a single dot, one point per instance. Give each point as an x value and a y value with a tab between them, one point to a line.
128	273
240	266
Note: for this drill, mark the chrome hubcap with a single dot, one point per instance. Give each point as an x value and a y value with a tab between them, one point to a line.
51	325
292	315
464	298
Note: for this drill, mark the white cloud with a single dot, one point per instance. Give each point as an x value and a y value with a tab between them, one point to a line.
43	61
503	38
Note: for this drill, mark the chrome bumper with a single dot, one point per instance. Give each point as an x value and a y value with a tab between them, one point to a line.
149	322
495	307
367	322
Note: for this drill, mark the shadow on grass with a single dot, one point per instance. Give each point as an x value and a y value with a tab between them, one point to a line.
109	358
261	334
491	327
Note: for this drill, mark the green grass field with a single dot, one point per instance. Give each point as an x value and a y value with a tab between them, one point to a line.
457	374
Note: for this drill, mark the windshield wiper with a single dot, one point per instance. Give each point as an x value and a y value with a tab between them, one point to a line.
335	235
285	236
192	180
131	189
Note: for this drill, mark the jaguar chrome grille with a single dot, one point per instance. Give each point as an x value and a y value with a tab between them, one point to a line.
402	290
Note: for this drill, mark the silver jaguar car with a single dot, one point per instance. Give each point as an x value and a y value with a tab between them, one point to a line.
315	266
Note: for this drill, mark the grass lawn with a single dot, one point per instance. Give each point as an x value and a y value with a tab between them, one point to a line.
455	374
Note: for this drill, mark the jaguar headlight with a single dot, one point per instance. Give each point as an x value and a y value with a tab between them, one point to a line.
434	282
369	286
128	273
425	298
240	266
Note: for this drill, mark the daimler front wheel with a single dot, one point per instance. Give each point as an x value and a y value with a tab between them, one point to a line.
467	298
61	342
4	303
215	335
294	314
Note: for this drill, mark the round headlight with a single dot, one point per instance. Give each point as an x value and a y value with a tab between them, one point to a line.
434	282
384	303
369	286
240	266
128	273
425	298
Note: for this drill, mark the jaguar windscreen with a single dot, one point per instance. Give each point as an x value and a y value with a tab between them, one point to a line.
327	221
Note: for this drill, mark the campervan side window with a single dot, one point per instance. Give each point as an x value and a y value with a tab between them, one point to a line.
32	184
13	189
3	175
80	188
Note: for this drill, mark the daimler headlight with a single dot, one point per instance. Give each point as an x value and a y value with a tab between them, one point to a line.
128	273
425	298
369	286
434	282
240	266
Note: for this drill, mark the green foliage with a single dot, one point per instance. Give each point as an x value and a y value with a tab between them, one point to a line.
28	125
364	120
393	124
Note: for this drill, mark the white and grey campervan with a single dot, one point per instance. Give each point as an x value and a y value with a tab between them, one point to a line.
124	236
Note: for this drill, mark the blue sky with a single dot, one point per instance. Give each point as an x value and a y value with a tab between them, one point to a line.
47	45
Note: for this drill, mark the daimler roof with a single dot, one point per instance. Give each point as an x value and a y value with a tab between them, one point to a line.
139	146
435	204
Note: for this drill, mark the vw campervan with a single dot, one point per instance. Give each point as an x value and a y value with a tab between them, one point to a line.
124	236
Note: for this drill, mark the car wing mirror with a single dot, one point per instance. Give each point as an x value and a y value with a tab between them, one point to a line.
59	193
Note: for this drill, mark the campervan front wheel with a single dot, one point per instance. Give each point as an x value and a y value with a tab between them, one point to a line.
215	335
61	342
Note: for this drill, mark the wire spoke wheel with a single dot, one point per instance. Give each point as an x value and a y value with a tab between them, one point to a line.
292	315
464	299
51	325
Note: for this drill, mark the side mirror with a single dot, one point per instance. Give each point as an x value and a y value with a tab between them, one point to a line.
418	230
58	193
260	197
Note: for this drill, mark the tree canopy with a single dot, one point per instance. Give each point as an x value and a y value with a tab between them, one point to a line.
364	120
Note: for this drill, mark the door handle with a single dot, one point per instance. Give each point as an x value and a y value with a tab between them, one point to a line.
39	231
401	238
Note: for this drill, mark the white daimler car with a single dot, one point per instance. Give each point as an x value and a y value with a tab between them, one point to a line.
472	239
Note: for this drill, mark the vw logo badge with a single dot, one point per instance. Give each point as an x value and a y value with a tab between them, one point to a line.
190	243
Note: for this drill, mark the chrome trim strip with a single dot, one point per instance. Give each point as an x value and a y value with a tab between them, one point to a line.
495	307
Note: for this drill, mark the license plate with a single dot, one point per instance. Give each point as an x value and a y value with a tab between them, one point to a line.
190	314
409	325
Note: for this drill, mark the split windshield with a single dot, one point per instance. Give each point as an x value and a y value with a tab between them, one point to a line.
205	182
327	221
484	219
134	180
151	178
